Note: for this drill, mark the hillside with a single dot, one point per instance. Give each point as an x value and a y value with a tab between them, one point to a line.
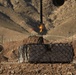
19	24
23	17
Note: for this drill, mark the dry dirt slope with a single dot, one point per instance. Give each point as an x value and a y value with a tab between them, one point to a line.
22	15
8	35
65	20
61	17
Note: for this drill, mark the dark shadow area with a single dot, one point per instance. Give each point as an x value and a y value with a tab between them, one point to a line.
34	25
1	48
1	5
40	40
10	3
58	2
49	62
4	15
7	19
27	0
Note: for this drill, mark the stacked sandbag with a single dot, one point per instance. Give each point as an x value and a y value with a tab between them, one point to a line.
47	53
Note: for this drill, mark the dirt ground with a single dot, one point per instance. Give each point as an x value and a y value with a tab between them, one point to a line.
37	69
15	68
18	18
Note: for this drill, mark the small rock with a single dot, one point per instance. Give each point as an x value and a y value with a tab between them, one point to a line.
45	74
1	70
69	73
12	72
10	67
74	62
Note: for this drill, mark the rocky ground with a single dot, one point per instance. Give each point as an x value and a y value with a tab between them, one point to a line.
38	69
9	62
20	19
